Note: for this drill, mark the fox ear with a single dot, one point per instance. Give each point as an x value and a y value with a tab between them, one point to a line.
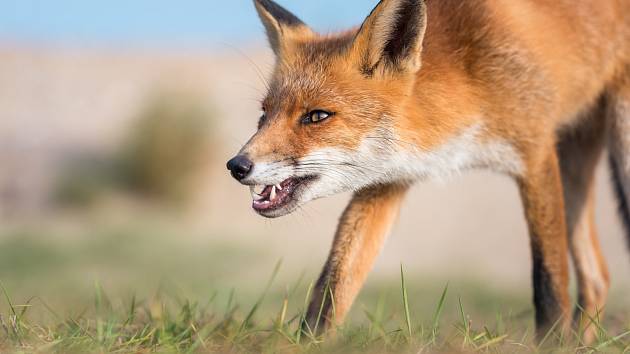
391	37
280	24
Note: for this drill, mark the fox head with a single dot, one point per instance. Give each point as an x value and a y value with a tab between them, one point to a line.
334	102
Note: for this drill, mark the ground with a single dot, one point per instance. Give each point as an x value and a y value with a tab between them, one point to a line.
141	289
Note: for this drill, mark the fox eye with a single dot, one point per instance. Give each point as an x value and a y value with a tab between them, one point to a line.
316	116
262	119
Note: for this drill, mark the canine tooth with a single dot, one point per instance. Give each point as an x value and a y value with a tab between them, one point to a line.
272	196
278	187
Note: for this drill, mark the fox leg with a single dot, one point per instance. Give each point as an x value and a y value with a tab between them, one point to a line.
359	238
592	273
619	144
542	194
579	150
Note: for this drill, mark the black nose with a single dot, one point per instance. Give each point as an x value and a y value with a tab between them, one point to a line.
240	166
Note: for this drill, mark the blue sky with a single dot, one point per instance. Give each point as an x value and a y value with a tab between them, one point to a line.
160	22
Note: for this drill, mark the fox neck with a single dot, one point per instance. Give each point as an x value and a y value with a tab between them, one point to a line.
440	129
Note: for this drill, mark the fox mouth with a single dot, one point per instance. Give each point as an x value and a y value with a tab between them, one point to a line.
271	200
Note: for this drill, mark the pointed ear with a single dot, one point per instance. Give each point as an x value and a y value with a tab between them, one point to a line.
281	25
391	37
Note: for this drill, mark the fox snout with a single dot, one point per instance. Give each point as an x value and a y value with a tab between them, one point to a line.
240	167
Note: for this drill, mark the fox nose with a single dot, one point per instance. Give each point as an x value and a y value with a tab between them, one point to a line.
240	167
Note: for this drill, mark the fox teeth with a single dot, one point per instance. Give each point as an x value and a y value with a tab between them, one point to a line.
272	196
278	187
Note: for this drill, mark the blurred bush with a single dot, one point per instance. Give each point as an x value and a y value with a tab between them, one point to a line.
85	179
166	149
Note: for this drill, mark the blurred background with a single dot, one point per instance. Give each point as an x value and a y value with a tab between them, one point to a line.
116	120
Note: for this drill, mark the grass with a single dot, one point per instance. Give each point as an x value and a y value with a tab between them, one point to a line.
175	325
66	296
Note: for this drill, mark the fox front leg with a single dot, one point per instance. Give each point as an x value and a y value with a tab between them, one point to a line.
360	235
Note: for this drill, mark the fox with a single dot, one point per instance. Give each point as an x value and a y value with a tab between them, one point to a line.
532	89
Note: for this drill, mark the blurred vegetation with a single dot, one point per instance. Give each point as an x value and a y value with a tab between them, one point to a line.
166	149
219	319
86	179
168	146
149	287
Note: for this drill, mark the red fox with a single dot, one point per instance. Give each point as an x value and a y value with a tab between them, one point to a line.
530	88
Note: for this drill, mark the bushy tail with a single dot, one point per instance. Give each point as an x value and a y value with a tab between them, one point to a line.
622	190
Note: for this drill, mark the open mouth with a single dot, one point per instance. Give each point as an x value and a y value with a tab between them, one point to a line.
274	197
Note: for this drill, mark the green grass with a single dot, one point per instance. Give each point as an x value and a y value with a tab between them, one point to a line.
164	324
134	290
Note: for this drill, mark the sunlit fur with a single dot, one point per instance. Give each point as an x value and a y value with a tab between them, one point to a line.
433	89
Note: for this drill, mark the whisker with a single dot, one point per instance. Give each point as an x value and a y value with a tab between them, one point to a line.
324	163
391	140
256	68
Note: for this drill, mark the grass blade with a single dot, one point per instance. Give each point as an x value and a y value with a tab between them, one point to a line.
438	315
254	308
405	302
